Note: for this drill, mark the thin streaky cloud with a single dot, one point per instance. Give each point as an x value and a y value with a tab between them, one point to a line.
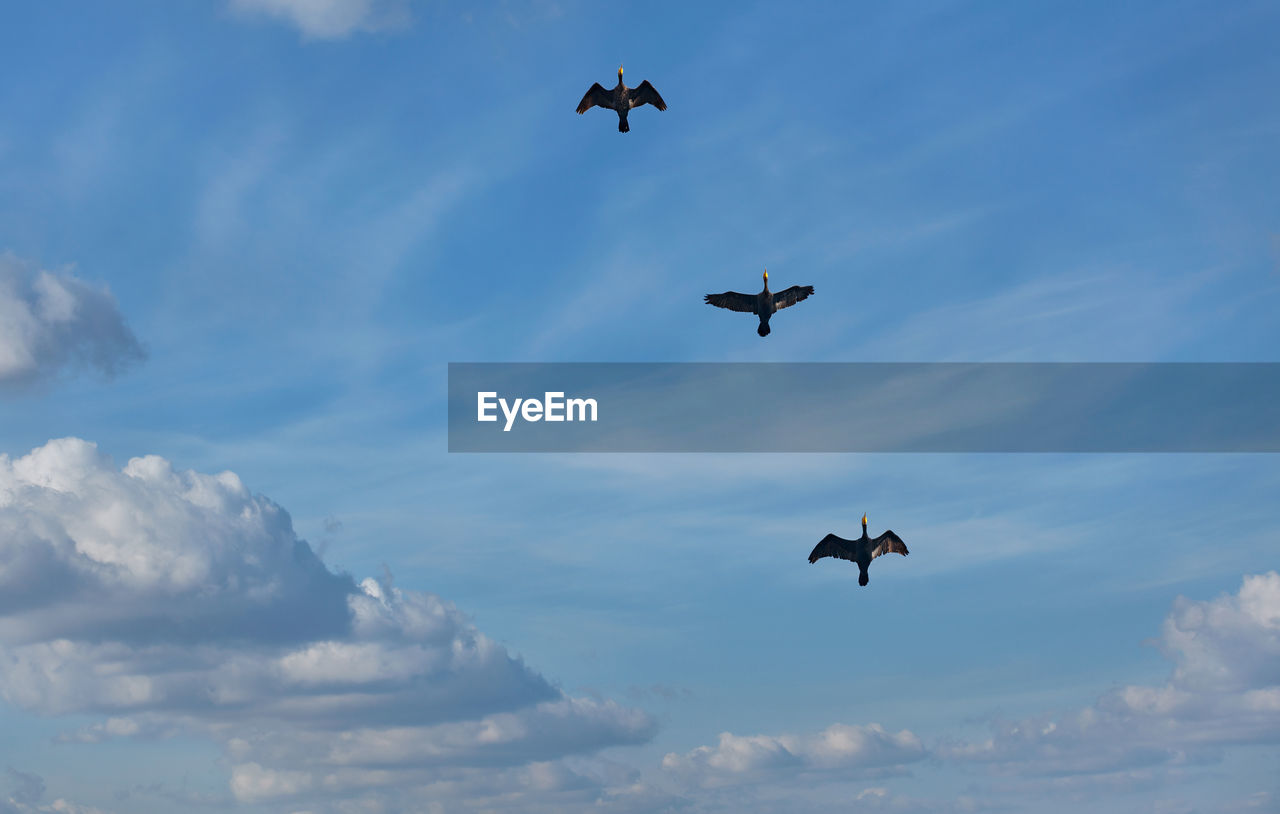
330	19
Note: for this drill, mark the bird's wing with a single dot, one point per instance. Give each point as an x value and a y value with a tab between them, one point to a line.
791	296
733	301
831	546
888	543
646	94
596	95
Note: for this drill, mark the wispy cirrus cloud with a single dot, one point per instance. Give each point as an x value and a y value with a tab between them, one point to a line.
330	19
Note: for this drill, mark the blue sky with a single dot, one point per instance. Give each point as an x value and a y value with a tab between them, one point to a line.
278	222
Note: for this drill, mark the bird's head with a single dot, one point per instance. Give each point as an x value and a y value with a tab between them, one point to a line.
619	71
766	276
864	520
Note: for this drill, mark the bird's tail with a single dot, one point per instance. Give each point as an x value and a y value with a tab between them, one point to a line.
863	579
763	330
623	127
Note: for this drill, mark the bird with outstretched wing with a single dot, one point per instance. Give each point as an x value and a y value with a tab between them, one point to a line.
621	99
862	551
734	301
790	296
596	96
764	304
646	94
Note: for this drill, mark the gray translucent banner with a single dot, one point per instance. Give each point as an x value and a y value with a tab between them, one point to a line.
865	407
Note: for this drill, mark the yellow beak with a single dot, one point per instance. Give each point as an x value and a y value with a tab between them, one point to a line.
864	519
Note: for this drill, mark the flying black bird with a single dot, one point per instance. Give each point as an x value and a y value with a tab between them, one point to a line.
862	551
621	99
763	304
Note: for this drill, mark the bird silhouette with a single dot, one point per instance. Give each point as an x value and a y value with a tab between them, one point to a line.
862	551
764	305
621	99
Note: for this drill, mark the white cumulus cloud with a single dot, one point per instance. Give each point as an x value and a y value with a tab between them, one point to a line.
867	750
170	601
53	320
1224	690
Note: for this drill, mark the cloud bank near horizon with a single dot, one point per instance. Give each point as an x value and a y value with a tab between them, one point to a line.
163	602
1223	691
